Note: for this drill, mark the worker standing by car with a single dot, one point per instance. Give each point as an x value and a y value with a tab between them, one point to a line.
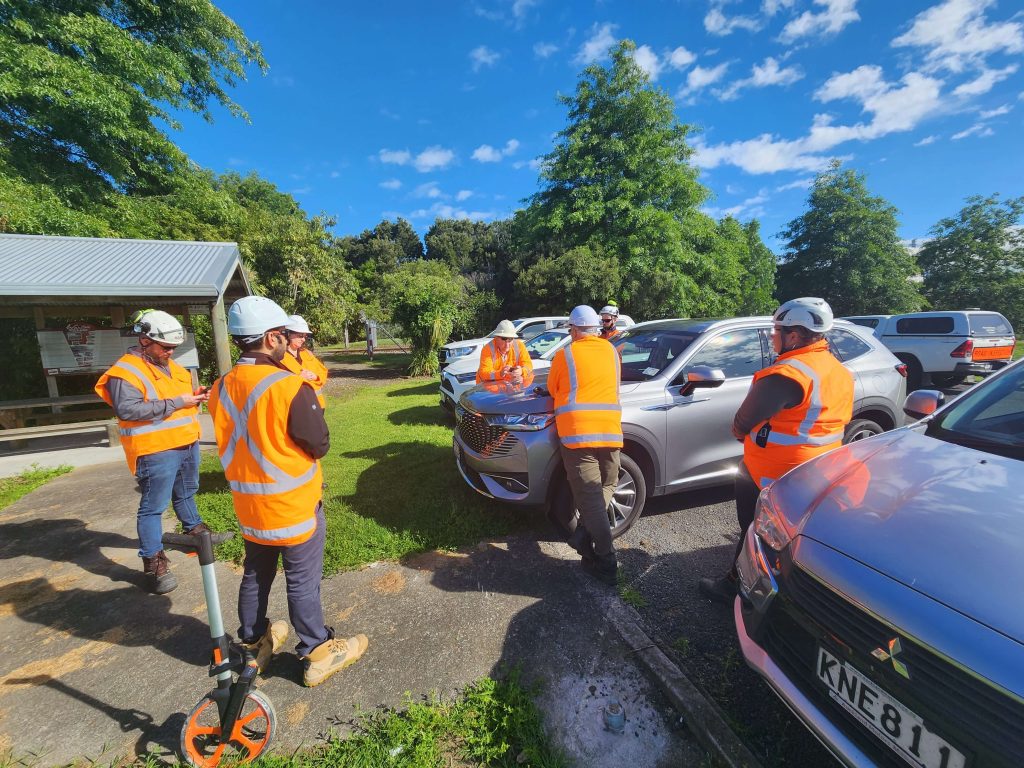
796	409
609	317
300	360
584	383
504	357
271	434
157	417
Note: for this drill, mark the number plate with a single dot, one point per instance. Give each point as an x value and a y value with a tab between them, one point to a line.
892	722
992	353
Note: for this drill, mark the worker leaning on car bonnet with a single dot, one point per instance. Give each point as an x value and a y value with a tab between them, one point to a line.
157	418
271	434
300	360
504	358
584	382
796	409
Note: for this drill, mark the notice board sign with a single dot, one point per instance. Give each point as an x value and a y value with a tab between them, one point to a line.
87	348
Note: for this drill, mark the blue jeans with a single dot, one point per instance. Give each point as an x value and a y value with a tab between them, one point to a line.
303	572
170	476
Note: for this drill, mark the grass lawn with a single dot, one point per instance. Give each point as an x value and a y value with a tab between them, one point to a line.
13	488
392	485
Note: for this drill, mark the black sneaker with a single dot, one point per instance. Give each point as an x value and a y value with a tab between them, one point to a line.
720	590
604	569
581	541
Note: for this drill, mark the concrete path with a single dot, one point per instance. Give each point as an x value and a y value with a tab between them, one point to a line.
94	667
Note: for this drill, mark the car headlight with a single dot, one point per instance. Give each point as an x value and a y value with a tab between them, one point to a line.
771	524
465	378
461	351
521	422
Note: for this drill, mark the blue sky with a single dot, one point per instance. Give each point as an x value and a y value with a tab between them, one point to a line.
426	109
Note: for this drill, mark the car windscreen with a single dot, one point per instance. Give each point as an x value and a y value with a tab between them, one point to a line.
647	352
544	342
990	324
989	418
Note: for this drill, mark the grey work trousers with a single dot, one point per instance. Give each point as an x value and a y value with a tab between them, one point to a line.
593	474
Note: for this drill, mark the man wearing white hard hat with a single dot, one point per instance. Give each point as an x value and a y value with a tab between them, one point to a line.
584	383
300	360
504	358
609	317
157	417
271	434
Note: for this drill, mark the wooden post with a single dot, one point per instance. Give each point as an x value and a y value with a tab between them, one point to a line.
221	341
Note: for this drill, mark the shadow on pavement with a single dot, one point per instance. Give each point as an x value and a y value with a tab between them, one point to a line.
69	541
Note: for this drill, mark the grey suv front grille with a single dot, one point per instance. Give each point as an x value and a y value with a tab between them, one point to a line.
488	441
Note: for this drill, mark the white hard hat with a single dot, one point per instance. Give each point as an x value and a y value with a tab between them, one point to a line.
297	324
584	317
505	330
254	316
610	309
160	327
808	312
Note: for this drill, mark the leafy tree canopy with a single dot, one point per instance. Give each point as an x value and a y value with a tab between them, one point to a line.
845	249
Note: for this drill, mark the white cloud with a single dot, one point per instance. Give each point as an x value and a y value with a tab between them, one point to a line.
978	129
701	77
764	154
647	60
986	114
485	153
395	156
430	190
957	33
836	15
433	159
482	56
446	211
520	7
335	174
680	58
544	50
771	7
798	184
596	46
463	194
390	184
763	75
717	23
750	208
985	82
926	141
300	191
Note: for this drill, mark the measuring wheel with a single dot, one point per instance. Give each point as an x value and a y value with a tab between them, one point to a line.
201	744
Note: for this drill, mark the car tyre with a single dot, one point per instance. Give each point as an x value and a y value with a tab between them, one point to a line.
946	381
861	429
627	502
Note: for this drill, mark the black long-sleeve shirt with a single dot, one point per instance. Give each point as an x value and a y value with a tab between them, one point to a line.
765	398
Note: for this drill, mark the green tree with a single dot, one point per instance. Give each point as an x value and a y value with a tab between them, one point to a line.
423	298
976	258
845	249
84	86
620	180
758	264
555	284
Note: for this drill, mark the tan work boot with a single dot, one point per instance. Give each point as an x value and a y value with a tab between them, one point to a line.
332	656
271	642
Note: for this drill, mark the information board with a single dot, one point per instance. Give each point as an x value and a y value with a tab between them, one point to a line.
86	348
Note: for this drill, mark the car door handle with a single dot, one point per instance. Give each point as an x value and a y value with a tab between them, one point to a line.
659	407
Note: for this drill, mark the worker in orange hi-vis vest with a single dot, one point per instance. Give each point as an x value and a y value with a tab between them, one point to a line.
300	360
584	383
796	409
157	417
609	317
271	434
504	357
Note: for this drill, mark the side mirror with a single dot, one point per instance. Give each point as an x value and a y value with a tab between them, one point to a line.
701	377
923	402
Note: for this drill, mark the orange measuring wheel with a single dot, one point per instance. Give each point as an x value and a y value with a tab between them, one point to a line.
201	744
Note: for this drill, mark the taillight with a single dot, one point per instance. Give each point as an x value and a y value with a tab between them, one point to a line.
964	350
901	369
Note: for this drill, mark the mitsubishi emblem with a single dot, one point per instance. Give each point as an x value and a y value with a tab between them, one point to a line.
894	650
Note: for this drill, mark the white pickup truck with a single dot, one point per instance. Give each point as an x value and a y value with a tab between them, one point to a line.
945	346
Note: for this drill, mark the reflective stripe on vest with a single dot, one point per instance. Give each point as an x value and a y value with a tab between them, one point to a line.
156	426
803	435
240	431
278	534
130	367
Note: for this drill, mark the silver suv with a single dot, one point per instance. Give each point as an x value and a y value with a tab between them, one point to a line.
682	381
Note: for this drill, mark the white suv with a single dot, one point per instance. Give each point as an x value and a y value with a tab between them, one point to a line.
526	327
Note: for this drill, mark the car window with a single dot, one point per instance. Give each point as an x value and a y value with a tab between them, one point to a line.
542	342
737	353
867	322
530	330
925	325
646	353
988	418
990	324
845	345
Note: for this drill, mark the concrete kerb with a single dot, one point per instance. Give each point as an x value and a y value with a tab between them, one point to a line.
703	717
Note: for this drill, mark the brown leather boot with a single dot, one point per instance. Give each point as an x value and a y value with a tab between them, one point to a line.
159	578
332	656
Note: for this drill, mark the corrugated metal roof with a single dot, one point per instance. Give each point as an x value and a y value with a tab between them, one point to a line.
43	265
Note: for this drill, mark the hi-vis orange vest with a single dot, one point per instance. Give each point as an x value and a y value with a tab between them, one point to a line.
140	438
308	362
492	361
812	427
584	382
276	486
